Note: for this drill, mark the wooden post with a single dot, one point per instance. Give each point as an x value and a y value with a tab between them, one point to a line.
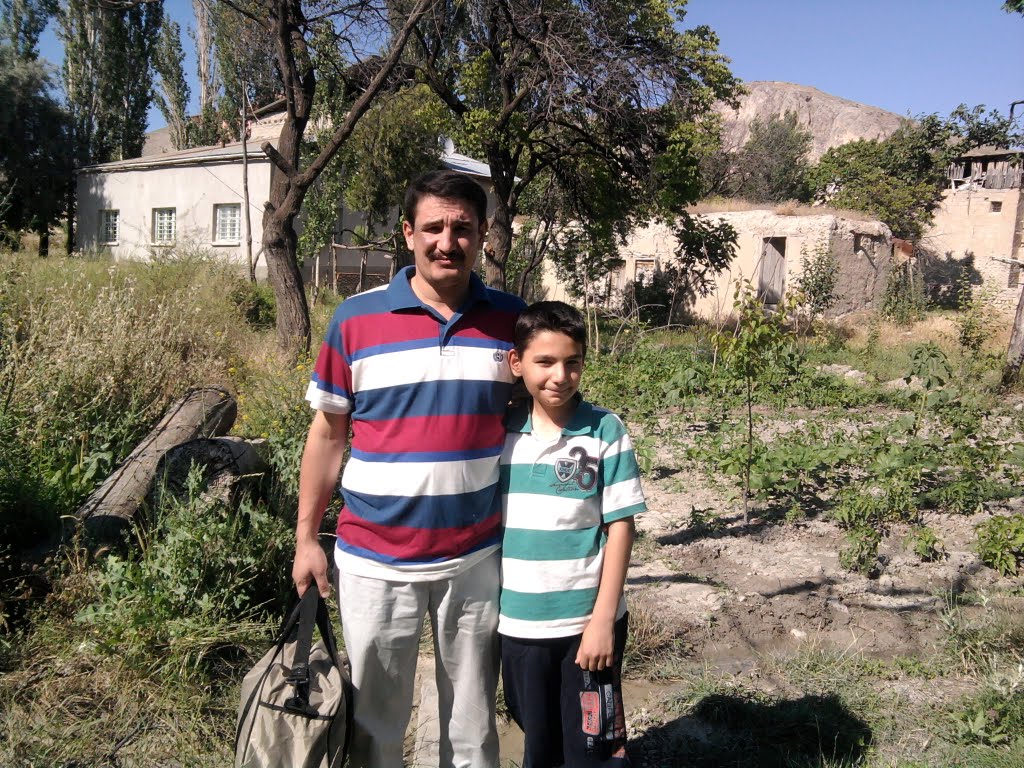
245	193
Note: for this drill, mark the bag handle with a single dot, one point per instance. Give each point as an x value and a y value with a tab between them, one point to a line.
311	611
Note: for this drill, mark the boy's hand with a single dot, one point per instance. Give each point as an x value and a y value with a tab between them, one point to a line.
597	646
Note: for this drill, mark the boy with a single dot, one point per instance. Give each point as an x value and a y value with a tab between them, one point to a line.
570	487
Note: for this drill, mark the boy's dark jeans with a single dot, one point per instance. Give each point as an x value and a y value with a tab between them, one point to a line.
542	685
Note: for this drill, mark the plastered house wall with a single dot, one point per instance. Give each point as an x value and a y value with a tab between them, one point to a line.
862	250
191	189
979	221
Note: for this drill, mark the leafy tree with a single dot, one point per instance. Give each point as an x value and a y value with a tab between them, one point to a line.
173	94
35	166
901	179
21	24
1014	6
397	141
108	75
586	98
247	74
772	164
292	26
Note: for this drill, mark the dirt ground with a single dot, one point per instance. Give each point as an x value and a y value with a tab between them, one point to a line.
742	590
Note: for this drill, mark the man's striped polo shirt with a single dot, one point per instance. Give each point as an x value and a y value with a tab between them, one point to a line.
426	398
558	495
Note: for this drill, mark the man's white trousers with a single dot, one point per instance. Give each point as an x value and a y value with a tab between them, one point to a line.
382	622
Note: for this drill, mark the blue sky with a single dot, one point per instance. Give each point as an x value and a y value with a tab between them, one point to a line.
907	56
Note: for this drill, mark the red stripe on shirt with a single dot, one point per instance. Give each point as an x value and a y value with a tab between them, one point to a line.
364	331
416	434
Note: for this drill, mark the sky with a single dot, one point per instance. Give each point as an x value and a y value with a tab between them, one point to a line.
911	57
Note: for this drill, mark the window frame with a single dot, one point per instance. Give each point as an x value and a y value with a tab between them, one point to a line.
218	209
155	231
105	218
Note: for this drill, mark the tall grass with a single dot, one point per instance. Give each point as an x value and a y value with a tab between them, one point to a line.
92	354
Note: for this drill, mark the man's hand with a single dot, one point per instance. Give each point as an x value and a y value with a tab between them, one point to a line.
597	646
310	567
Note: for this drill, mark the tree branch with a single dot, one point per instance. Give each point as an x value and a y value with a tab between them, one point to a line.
362	104
278	159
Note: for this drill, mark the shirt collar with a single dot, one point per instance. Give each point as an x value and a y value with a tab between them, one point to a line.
519	419
401	295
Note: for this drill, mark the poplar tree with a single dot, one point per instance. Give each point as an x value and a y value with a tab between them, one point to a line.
21	24
108	75
173	93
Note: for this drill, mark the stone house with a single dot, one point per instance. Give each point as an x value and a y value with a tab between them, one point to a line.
770	250
979	226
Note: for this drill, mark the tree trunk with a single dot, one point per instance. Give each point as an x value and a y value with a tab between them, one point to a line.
112	507
279	244
289	182
69	245
1015	353
44	241
499	245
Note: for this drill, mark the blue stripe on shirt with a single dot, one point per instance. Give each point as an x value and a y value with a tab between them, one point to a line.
432	398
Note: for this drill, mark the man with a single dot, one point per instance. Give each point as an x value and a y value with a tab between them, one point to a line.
418	371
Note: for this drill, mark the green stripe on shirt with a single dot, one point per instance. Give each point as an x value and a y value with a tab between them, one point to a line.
522	544
528	606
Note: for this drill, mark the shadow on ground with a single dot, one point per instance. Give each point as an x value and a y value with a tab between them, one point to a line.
745	732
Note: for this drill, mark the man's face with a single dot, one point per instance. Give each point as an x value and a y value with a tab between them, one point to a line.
445	241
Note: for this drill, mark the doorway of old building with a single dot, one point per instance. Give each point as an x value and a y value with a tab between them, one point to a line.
772	277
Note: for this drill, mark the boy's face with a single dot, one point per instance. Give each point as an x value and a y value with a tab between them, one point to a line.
551	366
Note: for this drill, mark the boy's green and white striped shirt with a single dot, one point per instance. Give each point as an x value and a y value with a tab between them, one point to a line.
556	496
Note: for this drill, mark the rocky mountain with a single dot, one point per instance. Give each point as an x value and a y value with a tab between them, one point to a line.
831	120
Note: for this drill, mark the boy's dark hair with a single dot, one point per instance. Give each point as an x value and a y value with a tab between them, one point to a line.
448	185
554	316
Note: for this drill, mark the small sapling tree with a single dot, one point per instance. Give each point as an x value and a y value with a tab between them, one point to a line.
755	349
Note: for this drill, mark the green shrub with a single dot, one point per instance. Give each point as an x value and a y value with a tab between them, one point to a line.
924	543
861	550
905	299
1001	543
207	579
255	303
818	278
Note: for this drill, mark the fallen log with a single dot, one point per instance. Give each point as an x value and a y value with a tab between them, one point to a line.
111	509
223	467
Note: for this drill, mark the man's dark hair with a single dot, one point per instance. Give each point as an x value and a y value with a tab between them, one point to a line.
554	316
448	185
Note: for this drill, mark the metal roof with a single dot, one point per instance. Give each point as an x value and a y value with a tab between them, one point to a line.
233	152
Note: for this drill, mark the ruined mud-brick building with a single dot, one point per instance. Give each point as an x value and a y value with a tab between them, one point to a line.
771	248
979	227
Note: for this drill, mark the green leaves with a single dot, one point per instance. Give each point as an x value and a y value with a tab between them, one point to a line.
1001	543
